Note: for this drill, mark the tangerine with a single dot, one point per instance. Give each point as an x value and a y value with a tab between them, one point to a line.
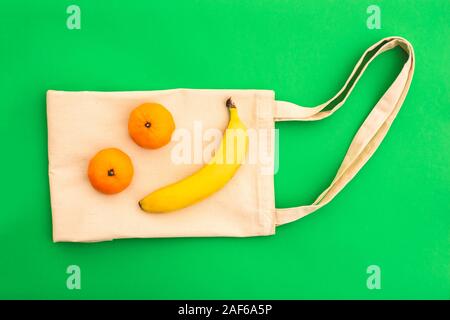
110	171
151	125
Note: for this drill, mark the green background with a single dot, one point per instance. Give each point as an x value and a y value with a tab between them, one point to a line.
394	214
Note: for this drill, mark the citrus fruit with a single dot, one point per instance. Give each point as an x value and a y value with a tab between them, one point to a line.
110	171
151	125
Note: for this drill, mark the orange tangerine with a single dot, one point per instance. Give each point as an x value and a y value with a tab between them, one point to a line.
110	171
151	125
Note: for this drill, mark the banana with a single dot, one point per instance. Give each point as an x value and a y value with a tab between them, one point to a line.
211	177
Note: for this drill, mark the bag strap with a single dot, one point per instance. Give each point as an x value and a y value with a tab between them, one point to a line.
369	135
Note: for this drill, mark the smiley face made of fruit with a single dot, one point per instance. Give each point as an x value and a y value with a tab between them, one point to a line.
151	126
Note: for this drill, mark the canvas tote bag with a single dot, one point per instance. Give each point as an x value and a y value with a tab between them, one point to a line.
82	123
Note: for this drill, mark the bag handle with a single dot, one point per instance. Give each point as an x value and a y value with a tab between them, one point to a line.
369	135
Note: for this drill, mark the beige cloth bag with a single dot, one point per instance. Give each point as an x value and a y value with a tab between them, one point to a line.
81	123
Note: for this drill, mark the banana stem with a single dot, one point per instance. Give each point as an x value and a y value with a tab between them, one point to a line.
230	104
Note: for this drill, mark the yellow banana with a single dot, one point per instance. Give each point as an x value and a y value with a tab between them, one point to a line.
211	177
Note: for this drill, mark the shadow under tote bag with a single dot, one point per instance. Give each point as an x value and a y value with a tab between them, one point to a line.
81	123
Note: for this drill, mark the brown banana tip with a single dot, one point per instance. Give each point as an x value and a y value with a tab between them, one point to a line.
140	205
230	103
